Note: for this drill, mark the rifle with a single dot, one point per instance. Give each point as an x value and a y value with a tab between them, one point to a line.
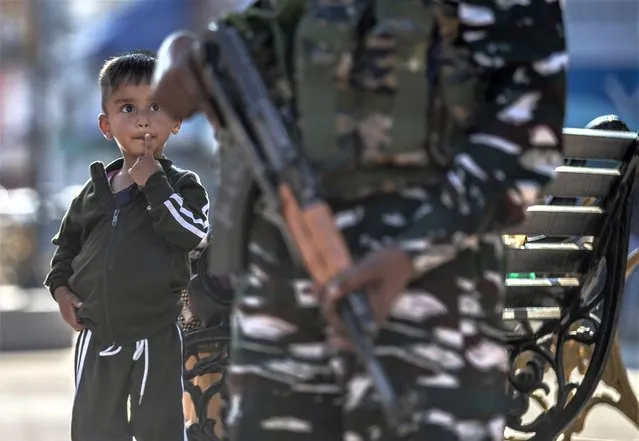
238	106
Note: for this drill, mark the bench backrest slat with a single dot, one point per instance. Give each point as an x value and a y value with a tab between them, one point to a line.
541	260
559	220
557	255
598	144
575	182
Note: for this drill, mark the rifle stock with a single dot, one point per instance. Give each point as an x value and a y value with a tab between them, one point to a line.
289	189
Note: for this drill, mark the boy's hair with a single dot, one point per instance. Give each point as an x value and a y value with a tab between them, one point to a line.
131	68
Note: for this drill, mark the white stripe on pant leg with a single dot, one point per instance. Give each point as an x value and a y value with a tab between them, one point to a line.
142	346
146	368
179	331
78	350
83	356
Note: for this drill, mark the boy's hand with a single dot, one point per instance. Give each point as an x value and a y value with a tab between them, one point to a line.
69	304
382	274
146	165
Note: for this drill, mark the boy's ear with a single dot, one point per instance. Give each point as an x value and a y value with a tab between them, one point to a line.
175	129
105	127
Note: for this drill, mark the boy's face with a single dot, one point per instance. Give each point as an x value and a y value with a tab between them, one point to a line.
130	113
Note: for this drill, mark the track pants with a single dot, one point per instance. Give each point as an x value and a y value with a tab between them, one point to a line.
286	384
148	372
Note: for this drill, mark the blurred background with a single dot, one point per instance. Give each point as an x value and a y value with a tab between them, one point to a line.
50	54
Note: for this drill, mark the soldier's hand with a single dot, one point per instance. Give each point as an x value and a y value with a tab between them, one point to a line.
174	83
382	275
68	303
146	165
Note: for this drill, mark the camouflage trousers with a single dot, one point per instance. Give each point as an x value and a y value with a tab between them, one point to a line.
286	384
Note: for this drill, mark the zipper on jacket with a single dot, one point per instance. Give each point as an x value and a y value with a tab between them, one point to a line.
107	279
114	221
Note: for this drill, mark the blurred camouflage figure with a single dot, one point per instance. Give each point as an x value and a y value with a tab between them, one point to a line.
434	124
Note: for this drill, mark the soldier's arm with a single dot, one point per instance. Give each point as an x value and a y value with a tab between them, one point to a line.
515	142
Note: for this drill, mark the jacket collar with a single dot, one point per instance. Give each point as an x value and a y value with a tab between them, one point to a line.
99	175
165	162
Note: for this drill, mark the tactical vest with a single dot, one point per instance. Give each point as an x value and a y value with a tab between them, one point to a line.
376	107
380	93
378	97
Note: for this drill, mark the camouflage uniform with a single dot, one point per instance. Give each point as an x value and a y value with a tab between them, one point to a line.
494	92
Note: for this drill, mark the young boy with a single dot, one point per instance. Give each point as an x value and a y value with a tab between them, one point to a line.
121	263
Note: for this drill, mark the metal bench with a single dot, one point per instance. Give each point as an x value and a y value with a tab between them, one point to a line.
577	253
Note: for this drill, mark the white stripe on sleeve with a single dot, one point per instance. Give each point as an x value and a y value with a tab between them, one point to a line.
188	213
179	216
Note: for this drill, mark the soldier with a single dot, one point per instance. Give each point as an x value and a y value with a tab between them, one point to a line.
434	124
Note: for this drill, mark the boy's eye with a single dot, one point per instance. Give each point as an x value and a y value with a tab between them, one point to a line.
155	107
128	108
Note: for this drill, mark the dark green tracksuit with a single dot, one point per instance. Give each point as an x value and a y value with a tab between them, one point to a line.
127	259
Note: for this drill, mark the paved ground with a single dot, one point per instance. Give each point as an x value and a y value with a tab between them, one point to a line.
36	392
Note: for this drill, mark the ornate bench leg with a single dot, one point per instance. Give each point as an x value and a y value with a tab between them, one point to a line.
534	365
214	407
190	415
583	357
615	376
583	337
205	366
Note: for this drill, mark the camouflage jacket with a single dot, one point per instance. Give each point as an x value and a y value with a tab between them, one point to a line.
496	99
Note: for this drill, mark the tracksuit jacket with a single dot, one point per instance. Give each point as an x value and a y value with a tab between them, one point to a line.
129	263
